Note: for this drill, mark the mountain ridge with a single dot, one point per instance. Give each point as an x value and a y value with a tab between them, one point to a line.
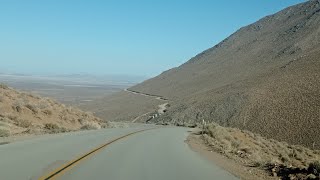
272	64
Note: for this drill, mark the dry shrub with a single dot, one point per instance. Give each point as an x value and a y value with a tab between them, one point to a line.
90	126
4	133
314	167
51	126
82	121
258	151
47	112
23	123
42	106
3	86
36	97
12	117
33	108
2	123
5	121
117	125
17	107
2	99
222	139
104	125
70	110
291	172
54	128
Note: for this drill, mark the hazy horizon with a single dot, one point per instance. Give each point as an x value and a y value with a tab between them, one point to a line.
117	38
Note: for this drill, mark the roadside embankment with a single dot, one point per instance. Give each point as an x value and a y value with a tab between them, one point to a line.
255	153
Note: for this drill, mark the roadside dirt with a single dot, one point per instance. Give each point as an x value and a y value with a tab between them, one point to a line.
162	108
243	172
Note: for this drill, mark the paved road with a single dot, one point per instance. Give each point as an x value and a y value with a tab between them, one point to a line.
148	95
153	154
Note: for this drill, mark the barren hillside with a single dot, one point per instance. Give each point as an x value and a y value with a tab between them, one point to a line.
265	78
22	113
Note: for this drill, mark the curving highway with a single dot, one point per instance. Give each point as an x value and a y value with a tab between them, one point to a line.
154	154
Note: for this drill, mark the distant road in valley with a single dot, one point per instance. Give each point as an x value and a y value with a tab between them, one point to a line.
148	95
162	107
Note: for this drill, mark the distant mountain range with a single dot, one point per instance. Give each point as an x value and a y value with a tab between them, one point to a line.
84	78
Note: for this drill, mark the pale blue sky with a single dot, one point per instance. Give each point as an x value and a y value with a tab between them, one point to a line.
117	36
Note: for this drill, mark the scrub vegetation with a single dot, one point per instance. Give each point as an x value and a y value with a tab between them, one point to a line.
23	113
280	159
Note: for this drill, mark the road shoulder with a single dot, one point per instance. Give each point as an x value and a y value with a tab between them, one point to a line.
239	170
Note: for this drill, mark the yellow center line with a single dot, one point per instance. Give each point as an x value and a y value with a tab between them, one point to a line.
67	166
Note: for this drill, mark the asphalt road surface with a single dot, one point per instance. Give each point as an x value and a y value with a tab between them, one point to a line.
156	154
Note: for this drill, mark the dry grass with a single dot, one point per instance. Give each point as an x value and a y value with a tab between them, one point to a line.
90	126
54	128
2	99
4	133
26	113
315	167
23	123
33	108
256	151
12	117
118	125
47	112
3	86
51	126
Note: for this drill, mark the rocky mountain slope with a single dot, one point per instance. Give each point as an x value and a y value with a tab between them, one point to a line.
265	78
22	113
